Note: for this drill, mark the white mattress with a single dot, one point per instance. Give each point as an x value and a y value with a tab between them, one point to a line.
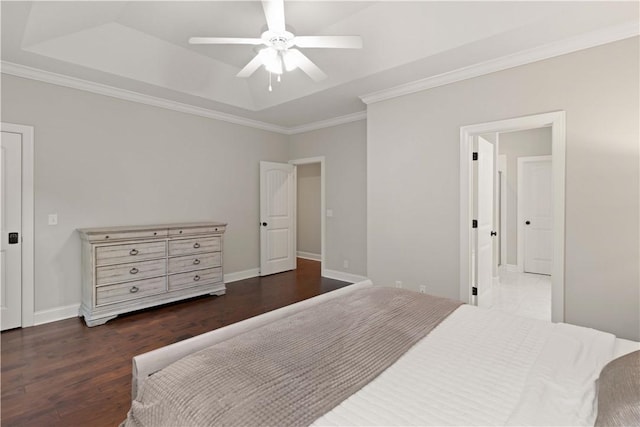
482	367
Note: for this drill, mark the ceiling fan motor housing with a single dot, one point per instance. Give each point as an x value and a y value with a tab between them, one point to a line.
279	41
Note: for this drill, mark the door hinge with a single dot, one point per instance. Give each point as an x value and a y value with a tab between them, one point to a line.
475	155
474	290
474	223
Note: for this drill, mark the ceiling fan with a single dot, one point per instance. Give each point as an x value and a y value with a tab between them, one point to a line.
280	53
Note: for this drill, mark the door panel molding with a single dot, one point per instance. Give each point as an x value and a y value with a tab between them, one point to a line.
557	121
28	282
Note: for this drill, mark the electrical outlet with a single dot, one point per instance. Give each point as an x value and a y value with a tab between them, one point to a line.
423	289
346	263
398	284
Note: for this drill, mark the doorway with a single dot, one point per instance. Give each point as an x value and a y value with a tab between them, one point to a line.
502	248
16	221
308	231
310	217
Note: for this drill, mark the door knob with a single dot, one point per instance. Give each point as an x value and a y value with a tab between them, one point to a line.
527	222
264	224
493	233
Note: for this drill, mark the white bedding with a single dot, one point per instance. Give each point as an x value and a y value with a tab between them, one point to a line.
482	367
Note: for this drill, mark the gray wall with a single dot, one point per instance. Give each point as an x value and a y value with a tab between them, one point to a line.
308	200
413	196
344	148
102	161
531	142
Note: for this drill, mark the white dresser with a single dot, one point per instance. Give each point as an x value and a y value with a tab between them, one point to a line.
130	268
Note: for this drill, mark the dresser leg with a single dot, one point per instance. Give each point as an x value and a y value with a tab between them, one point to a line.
219	293
99	321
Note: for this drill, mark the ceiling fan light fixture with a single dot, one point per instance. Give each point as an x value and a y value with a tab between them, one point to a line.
271	60
290	60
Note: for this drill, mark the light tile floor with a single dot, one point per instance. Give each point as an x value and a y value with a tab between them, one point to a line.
523	294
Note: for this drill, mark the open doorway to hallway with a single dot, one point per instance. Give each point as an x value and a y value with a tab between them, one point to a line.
513	204
309	215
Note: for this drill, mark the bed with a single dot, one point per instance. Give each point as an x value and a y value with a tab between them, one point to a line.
366	355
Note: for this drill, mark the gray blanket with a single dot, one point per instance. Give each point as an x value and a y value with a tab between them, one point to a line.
294	370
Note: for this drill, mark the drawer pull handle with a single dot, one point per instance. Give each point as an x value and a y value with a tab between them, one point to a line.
134	289
155	233
180	232
133	252
196	278
133	270
196	261
196	245
106	237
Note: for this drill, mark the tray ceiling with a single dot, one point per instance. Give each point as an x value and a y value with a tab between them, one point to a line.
142	46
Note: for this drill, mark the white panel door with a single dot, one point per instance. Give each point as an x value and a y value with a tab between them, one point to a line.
277	218
484	239
11	222
537	206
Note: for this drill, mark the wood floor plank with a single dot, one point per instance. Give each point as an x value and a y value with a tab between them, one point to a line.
66	374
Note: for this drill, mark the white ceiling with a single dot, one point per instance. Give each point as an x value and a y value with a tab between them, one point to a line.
142	46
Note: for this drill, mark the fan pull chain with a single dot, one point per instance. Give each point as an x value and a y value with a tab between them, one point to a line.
270	88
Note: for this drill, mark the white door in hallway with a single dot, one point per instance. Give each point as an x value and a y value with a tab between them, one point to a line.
536	196
484	238
277	217
11	230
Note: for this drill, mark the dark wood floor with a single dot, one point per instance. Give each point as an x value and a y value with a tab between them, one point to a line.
66	374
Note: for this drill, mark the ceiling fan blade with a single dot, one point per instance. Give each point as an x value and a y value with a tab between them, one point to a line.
306	65
274	12
340	42
224	40
251	67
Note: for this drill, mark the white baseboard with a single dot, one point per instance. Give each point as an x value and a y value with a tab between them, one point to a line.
54	314
341	275
309	255
241	275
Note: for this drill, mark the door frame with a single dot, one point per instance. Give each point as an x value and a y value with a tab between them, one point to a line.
502	167
519	216
557	121
28	282
307	161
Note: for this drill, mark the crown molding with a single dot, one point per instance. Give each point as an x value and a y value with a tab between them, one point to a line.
551	50
348	118
114	92
101	89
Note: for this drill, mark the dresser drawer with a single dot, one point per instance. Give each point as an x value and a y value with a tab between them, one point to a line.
109	236
189	231
194	262
130	271
195	245
195	278
129	291
115	254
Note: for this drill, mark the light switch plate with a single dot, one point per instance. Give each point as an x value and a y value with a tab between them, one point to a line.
53	219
